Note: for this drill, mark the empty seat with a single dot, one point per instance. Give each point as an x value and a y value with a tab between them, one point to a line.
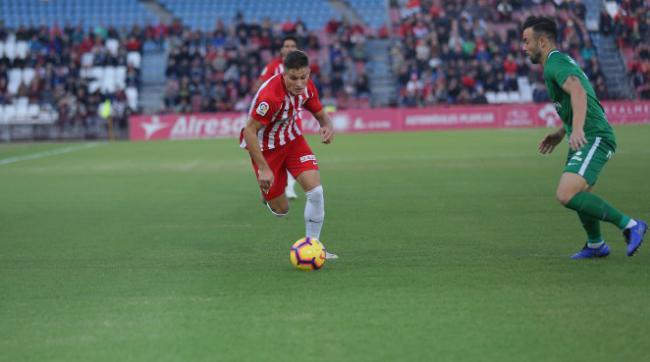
28	75
491	97
15	78
10	49
21	112
9	113
108	80
502	97
133	59
120	77
22	48
513	97
132	97
113	46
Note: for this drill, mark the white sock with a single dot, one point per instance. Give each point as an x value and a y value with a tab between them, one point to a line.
291	182
314	212
595	245
630	224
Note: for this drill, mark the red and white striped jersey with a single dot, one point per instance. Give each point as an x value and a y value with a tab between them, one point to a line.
274	67
279	112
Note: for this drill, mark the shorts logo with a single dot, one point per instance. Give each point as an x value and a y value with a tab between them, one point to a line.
262	108
307	158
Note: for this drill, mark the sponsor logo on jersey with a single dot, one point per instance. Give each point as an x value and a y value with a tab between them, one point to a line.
262	108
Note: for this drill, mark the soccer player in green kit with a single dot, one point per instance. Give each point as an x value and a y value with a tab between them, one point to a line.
591	140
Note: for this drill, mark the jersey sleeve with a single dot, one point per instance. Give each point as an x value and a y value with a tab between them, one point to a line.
263	109
562	68
313	104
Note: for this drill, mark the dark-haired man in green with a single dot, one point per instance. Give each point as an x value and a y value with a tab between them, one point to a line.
591	139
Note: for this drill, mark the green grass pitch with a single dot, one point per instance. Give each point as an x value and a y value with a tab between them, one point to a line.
452	248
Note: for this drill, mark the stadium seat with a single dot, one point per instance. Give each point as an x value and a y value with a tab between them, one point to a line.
15	78
513	97
10	48
120	77
113	46
501	98
87	59
97	76
491	97
132	97
32	111
21	112
9	113
133	59
108	80
22	47
28	75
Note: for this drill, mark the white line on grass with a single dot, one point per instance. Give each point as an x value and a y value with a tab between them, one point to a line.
54	152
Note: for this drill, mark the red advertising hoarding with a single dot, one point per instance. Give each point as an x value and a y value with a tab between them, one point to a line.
215	125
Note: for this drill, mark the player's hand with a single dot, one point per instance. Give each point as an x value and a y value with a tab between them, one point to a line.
549	142
577	139
326	133
265	179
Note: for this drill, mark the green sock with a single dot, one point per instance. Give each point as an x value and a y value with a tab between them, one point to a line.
592	227
588	204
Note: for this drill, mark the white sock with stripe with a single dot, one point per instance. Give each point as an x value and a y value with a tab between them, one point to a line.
314	212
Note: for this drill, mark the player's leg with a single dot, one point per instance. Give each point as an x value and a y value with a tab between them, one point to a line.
274	199
592	228
302	163
290	191
315	202
314	205
582	171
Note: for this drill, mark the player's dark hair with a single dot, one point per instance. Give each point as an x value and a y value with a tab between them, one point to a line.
541	25
296	60
289	37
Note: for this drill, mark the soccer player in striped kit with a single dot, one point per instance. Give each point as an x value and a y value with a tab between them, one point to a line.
276	66
274	140
591	140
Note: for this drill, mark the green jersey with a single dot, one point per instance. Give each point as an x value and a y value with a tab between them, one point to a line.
557	69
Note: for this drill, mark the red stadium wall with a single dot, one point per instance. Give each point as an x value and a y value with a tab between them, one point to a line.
213	125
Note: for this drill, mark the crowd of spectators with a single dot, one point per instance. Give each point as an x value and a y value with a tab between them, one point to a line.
216	71
445	52
457	51
55	65
629	22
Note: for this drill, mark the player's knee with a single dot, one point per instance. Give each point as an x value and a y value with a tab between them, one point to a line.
315	194
278	210
564	196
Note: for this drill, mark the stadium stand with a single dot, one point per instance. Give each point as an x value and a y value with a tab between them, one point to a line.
469	51
629	22
60	60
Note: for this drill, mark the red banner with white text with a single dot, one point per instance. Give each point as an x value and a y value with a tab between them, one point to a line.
214	125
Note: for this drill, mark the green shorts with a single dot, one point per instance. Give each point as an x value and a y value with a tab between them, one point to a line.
590	160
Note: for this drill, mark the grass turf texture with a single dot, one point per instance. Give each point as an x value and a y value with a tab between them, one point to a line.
452	248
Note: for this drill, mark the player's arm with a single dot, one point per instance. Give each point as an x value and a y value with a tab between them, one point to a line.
265	175
578	95
326	129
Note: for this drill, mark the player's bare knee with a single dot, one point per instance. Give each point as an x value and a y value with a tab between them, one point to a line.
564	196
278	211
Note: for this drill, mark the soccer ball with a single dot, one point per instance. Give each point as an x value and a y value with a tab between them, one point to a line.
307	254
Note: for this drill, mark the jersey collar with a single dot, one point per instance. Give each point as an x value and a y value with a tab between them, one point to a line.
551	52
